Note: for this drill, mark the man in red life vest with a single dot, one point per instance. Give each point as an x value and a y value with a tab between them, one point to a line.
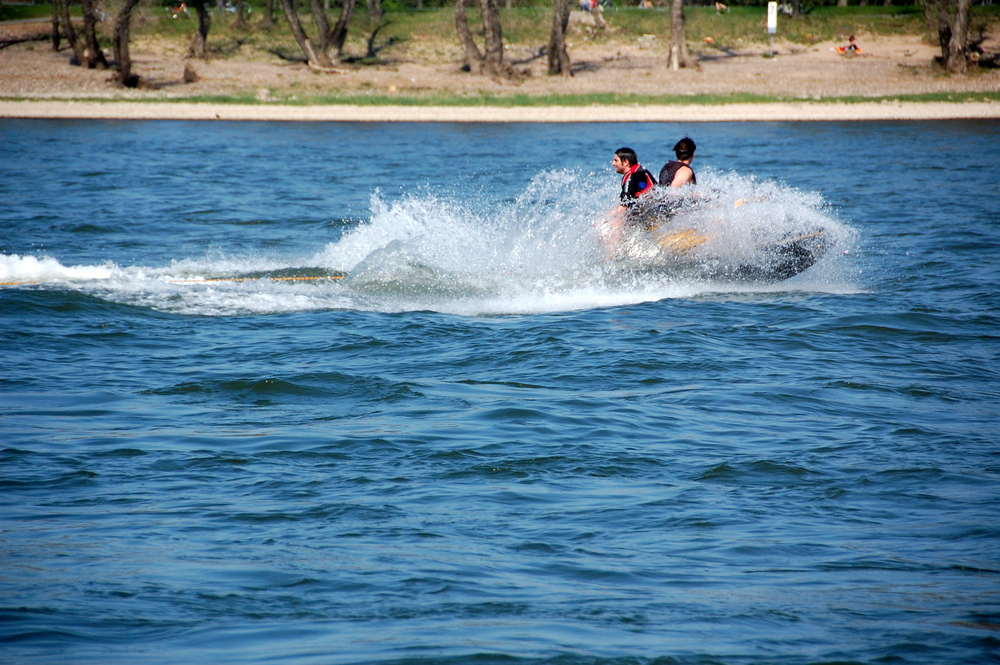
636	182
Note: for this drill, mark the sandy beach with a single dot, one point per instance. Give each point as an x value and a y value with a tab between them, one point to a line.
345	113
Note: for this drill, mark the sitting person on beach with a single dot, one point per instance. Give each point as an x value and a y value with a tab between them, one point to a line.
850	49
679	173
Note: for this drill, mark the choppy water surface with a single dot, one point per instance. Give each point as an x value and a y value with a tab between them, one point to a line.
334	393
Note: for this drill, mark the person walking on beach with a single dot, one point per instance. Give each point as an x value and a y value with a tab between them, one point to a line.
679	173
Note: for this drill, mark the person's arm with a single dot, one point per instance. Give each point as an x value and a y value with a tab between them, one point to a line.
683	176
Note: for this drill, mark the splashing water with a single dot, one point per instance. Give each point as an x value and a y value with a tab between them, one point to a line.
541	252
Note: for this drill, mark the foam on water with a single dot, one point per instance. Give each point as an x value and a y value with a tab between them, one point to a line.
541	252
30	269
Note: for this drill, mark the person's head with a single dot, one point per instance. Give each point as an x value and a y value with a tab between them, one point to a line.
684	149
624	159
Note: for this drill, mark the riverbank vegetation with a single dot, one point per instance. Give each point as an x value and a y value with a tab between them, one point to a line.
379	33
529	22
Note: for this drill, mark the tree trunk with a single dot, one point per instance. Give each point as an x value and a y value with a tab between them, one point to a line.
841	3
678	51
339	33
943	30
268	22
71	36
375	10
240	22
957	60
473	56
199	43
121	36
92	50
493	40
558	56
317	58
56	37
322	25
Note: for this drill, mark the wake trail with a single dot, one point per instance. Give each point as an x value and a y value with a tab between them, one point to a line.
540	252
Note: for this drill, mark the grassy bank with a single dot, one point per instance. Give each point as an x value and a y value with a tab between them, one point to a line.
432	31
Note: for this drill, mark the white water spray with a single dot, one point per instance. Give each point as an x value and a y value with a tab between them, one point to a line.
541	252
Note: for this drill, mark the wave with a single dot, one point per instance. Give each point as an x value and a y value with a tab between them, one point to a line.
543	251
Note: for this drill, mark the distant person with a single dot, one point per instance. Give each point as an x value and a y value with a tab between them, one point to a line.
679	173
851	48
721	8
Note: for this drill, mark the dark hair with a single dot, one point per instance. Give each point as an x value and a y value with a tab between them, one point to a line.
627	155
685	148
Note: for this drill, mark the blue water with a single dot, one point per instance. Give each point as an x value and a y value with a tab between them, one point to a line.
488	443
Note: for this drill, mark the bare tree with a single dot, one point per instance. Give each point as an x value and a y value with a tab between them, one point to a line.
121	37
951	20
330	39
199	43
92	50
678	50
240	22
338	35
957	60
70	32
473	56
490	60
318	12
268	22
558	55
315	56
493	40
56	37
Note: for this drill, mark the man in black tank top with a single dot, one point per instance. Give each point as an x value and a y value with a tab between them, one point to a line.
679	173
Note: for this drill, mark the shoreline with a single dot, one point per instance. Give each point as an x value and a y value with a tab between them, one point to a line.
738	112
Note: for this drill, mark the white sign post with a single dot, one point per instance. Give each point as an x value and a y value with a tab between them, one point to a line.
772	22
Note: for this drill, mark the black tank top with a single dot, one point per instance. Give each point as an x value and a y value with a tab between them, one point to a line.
670	169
